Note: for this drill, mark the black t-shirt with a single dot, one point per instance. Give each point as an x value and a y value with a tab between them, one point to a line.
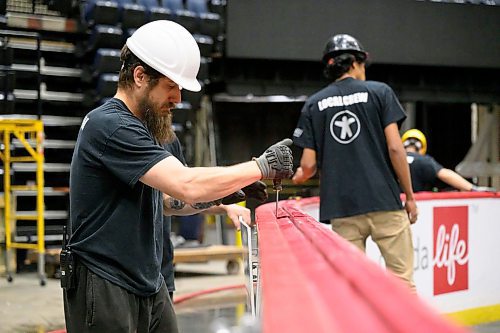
423	169
344	123
117	221
167	263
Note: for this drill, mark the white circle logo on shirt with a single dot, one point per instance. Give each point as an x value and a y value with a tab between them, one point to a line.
345	127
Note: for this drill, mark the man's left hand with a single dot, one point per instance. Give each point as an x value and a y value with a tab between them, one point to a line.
257	191
233	198
237	213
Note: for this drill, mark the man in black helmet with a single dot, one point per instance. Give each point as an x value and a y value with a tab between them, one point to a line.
349	131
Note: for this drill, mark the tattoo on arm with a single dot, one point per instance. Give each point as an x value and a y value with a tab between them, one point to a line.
176	204
203	205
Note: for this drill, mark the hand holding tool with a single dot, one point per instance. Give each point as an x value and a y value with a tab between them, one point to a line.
277	161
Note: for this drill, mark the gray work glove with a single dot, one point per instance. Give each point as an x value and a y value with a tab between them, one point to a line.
277	161
476	188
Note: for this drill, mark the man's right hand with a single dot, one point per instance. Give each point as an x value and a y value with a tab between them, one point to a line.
411	210
476	188
277	161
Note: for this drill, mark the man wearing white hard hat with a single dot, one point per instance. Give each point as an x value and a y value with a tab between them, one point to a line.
122	180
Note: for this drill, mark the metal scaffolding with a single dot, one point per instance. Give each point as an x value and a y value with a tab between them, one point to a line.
29	133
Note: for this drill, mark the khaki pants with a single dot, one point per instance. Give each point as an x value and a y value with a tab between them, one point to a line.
390	230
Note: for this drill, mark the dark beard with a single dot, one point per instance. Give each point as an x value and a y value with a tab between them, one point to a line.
159	126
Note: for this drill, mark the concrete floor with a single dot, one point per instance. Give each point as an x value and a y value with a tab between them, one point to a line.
27	307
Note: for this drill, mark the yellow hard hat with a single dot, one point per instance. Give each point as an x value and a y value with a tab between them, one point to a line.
416	135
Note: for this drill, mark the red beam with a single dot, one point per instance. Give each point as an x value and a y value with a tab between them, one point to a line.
315	281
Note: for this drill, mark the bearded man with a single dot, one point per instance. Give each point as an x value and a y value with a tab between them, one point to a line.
123	180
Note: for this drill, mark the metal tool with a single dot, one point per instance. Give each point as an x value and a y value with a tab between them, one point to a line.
277	187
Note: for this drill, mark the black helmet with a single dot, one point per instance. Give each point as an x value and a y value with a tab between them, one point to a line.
343	43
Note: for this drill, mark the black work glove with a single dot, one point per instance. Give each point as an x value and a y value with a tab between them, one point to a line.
277	161
233	198
257	191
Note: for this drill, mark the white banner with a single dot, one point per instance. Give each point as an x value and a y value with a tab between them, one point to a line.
457	252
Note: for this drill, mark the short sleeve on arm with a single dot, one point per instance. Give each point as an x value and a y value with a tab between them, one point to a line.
434	164
130	152
393	112
303	133
175	149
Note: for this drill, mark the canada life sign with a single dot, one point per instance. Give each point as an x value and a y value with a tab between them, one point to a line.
455	240
450	259
441	249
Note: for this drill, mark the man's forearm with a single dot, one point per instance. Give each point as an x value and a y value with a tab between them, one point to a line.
307	167
397	154
200	184
454	179
173	206
400	165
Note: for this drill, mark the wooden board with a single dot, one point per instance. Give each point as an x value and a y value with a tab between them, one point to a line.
204	254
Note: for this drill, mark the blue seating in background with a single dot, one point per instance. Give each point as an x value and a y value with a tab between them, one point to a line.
107	61
173	5
101	12
181	15
205	43
105	36
208	23
155	11
133	15
197	6
218	7
123	17
106	85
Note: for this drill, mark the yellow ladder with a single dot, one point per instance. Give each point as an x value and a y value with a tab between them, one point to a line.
25	130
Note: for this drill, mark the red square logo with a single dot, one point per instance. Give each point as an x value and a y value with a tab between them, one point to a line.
451	249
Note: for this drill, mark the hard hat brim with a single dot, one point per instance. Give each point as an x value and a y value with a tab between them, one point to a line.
191	85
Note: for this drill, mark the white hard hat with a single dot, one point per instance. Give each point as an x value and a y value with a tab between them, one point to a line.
170	49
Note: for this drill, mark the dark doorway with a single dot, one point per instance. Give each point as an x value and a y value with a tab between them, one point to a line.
447	127
245	130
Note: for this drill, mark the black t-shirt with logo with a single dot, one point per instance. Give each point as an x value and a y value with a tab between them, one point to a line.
423	169
344	123
167	264
116	220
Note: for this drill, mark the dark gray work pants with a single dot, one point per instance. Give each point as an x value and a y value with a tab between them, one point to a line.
97	305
